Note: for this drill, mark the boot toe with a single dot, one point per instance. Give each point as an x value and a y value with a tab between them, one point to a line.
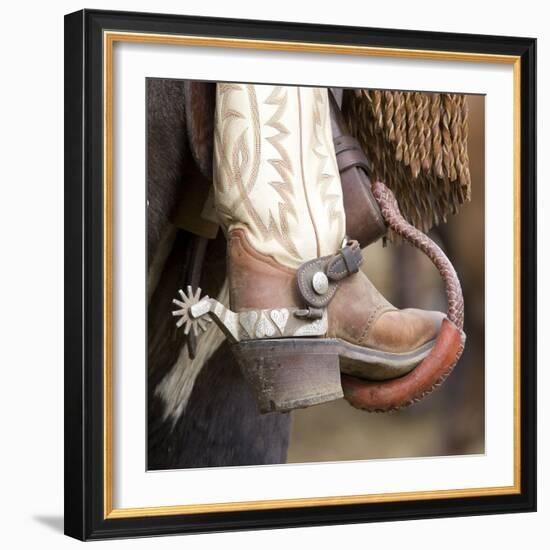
405	330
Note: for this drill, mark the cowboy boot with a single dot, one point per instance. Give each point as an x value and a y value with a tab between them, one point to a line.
301	309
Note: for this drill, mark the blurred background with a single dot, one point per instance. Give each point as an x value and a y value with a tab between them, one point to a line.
450	421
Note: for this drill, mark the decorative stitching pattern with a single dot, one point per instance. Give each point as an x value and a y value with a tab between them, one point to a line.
283	167
237	163
227	116
300	131
273	162
304	276
321	150
374	315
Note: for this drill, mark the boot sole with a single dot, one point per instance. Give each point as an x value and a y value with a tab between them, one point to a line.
293	373
373	364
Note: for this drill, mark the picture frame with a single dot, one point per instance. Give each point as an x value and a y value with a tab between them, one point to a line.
90	37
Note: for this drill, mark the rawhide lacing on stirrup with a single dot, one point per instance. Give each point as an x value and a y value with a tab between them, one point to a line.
393	217
349	154
382	396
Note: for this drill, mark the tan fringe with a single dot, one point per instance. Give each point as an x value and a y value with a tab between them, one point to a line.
417	144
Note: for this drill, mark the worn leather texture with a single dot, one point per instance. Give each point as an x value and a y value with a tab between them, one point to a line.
364	221
358	313
401	392
200	101
257	281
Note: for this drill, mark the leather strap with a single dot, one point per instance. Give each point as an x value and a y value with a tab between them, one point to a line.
336	267
349	154
364	221
346	262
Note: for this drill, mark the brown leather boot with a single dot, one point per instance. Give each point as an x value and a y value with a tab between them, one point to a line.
353	327
376	340
301	310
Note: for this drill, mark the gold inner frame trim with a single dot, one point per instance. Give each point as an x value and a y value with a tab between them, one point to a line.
109	39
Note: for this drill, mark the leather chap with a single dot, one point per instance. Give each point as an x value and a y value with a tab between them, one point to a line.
364	221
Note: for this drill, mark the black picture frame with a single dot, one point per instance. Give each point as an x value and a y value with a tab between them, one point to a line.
84	284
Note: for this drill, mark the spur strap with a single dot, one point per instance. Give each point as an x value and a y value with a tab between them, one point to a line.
318	279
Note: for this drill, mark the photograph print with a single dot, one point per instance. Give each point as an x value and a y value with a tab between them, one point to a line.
315	274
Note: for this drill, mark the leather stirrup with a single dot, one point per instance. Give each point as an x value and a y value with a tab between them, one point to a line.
434	369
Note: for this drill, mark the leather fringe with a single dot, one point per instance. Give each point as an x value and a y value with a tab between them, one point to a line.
417	144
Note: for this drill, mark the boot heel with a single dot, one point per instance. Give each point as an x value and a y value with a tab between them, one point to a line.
290	373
